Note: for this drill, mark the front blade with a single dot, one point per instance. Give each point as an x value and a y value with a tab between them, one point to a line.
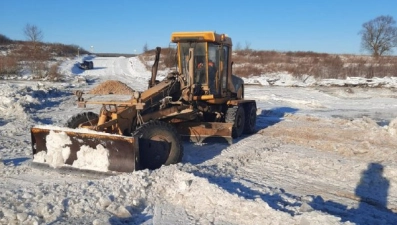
85	149
203	131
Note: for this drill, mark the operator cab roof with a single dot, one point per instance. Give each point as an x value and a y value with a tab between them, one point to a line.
208	36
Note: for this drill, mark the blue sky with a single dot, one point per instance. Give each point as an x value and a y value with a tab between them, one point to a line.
124	26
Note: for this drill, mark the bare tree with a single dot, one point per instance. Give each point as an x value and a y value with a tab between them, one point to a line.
33	33
247	46
36	56
145	48
379	35
238	46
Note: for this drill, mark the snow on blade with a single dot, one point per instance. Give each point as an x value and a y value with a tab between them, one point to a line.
74	130
92	159
57	151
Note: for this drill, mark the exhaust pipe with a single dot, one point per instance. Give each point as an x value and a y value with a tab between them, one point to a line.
155	66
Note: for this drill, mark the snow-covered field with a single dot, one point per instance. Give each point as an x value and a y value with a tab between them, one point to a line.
322	155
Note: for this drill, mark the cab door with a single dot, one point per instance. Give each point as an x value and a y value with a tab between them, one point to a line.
224	62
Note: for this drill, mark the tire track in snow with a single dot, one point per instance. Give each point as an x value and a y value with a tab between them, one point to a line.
282	185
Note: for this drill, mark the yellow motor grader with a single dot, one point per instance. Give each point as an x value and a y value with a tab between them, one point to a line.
200	100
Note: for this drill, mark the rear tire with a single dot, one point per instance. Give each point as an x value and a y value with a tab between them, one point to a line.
236	116
250	119
80	118
159	144
91	65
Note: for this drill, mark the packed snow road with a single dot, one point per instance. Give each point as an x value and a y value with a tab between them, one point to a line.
322	155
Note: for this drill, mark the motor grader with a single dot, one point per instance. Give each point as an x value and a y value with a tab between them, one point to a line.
201	99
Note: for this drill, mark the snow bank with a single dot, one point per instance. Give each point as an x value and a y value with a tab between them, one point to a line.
16	102
392	127
281	79
164	196
19	101
130	71
387	82
288	80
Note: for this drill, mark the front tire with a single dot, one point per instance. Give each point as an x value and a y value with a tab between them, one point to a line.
250	119
236	116
159	144
80	118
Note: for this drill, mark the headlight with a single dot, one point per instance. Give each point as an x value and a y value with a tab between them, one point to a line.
137	94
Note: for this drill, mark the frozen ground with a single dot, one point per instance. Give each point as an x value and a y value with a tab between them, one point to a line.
322	155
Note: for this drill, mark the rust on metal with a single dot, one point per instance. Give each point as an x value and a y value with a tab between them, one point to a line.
200	131
203	97
239	101
168	112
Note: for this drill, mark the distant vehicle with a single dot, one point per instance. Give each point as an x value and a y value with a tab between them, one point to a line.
86	65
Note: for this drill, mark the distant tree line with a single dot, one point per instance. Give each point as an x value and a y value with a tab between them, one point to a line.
33	54
4	40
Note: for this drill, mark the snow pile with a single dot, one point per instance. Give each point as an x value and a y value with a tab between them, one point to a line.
16	101
392	128
196	197
92	159
19	101
57	150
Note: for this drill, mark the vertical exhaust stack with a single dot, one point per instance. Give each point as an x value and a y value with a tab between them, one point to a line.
155	66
